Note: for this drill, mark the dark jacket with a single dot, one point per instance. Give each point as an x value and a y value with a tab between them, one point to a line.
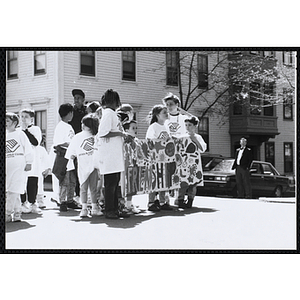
60	164
246	159
78	114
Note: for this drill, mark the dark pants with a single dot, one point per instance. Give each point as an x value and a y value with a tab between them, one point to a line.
31	190
111	183
77	186
243	182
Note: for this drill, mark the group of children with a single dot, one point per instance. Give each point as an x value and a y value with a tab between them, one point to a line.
98	152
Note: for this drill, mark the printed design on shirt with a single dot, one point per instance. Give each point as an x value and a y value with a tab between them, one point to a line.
88	144
12	146
163	135
174	126
71	134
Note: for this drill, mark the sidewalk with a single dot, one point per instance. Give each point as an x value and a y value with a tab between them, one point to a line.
213	223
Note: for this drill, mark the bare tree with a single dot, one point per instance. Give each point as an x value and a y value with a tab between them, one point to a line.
230	78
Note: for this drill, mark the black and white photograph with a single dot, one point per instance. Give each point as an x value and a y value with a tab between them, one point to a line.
151	150
142	148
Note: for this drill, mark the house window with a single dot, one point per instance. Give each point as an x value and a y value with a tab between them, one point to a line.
255	98
87	63
287	57
269	90
39	62
287	105
128	59
40	120
256	52
288	157
269	53
203	130
12	64
202	71
270	152
172	60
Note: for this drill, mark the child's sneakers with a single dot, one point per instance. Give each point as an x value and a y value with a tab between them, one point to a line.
35	209
41	203
154	206
133	209
8	218
17	217
166	206
26	208
96	212
84	213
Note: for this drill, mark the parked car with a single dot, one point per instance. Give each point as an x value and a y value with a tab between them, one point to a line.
265	180
209	161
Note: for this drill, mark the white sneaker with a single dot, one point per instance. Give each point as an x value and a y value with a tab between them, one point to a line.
96	212
41	204
35	209
26	208
84	213
17	217
77	199
8	218
134	209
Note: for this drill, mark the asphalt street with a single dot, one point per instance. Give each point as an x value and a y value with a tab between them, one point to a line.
213	223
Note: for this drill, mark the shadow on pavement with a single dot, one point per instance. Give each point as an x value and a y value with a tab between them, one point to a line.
69	213
145	215
15	226
31	216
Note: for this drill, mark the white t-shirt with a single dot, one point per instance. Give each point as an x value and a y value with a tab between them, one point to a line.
63	133
176	124
240	154
157	131
19	152
110	150
82	146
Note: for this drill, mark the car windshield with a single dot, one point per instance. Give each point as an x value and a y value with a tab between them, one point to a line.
209	163
224	166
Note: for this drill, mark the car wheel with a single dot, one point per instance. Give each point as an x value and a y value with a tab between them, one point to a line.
278	191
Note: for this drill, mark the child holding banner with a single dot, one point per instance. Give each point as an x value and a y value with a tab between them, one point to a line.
177	116
110	152
176	121
191	125
125	114
130	128
158	130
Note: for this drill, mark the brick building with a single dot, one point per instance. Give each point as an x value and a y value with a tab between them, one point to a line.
43	80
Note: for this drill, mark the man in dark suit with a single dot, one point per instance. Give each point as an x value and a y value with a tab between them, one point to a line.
242	163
